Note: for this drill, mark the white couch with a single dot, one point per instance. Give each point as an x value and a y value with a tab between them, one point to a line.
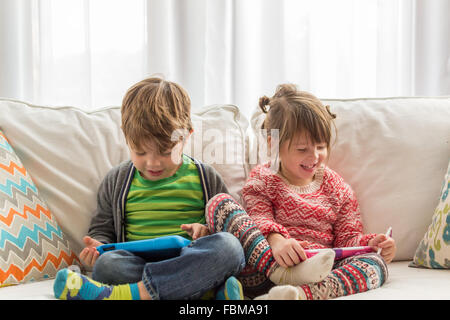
394	152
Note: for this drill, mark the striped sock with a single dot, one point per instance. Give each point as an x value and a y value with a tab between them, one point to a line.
70	285
223	213
230	290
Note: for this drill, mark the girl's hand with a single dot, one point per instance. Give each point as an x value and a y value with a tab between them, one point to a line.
90	254
195	230
387	245
287	252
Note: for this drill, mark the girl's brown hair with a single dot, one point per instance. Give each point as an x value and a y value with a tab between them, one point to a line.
292	111
152	110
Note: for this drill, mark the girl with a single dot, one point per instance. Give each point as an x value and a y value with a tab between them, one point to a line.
303	204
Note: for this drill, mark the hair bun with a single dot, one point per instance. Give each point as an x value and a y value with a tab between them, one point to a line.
332	115
286	90
263	102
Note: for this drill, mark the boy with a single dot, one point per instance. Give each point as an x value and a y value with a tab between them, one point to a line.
160	191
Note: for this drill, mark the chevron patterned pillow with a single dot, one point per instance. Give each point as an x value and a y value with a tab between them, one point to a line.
32	245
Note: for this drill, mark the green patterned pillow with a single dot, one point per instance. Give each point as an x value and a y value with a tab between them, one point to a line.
434	249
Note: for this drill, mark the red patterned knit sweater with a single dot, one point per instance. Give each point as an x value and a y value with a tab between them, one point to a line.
324	213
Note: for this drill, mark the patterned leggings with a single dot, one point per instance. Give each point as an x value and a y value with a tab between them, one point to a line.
349	276
223	213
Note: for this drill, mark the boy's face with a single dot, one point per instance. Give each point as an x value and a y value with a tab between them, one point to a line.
154	165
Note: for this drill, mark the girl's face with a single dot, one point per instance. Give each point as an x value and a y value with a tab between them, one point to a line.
300	160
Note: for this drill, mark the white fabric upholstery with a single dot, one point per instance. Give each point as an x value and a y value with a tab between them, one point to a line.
42	290
404	283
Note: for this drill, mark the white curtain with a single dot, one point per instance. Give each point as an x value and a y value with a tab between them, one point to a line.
86	53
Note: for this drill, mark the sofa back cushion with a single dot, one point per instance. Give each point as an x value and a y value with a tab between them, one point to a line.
68	152
393	152
219	139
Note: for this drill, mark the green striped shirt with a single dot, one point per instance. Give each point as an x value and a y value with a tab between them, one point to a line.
158	208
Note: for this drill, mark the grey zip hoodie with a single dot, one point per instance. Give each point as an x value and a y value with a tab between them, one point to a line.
108	222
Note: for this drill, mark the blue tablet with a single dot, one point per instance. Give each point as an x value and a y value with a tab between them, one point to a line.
151	249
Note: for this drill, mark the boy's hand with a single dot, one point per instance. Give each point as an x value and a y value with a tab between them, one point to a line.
387	245
90	254
195	230
287	252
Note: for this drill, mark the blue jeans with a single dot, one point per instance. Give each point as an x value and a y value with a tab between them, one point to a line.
201	266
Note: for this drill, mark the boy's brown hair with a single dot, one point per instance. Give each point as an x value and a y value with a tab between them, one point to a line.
292	110
152	110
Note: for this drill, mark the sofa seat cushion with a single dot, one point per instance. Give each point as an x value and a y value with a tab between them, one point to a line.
406	283
42	290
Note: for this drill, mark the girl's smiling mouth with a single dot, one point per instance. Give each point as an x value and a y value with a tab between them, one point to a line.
308	168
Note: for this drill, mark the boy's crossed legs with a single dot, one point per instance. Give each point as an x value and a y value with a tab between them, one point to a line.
203	265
